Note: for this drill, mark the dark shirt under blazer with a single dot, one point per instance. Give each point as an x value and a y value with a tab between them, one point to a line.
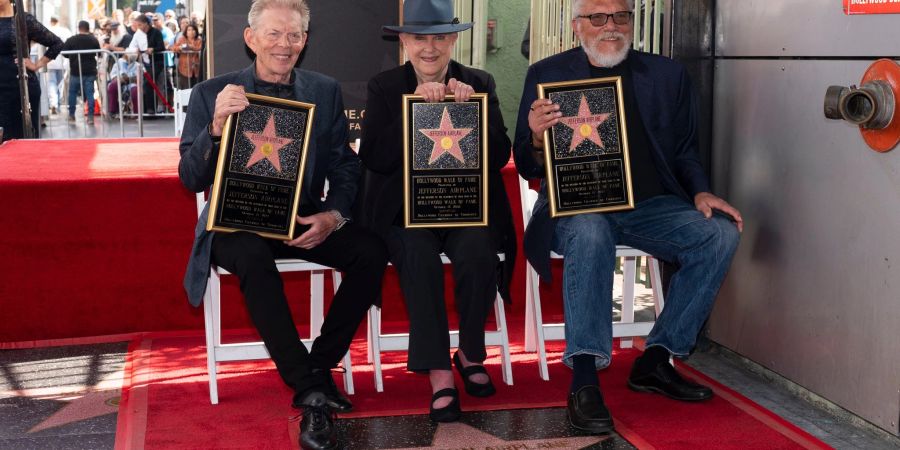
669	112
329	155
381	189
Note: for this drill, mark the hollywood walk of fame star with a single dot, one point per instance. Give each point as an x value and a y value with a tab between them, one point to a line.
584	125
457	435
80	407
446	139
266	145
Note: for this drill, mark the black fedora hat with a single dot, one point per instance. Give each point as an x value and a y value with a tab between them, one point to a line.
428	17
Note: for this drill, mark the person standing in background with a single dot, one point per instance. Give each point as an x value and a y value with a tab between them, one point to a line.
56	69
83	72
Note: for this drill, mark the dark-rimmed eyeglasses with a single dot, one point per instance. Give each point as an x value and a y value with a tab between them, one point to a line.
600	19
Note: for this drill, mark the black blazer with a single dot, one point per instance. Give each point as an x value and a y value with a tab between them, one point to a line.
380	198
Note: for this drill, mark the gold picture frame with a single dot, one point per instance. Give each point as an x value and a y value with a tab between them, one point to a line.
586	154
445	151
260	168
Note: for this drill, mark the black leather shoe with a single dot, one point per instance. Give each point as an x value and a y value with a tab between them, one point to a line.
317	426
336	400
587	412
449	413
472	388
663	379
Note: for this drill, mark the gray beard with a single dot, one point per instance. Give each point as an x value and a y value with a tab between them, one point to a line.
604	59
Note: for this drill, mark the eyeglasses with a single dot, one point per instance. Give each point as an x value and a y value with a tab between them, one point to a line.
275	36
600	19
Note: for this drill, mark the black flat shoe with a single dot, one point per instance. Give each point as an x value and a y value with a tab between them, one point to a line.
665	380
317	430
449	413
587	412
472	388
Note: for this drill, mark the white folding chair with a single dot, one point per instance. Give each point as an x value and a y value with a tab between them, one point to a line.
537	332
379	342
181	98
217	352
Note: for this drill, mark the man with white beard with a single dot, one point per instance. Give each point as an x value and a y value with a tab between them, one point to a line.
676	218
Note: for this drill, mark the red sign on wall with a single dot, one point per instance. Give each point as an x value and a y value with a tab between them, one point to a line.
871	6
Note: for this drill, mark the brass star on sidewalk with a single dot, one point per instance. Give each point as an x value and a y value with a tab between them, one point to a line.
266	145
584	125
459	435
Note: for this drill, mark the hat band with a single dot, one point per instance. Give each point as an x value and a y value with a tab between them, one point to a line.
455	21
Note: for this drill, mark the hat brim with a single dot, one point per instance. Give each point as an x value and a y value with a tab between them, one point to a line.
429	29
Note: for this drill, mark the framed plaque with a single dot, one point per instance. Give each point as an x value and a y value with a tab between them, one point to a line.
586	152
445	162
262	158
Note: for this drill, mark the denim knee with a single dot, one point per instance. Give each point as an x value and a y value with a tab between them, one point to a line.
589	233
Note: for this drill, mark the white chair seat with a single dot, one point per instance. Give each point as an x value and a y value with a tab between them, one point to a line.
537	332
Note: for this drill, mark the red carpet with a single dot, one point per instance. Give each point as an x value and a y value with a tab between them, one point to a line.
165	402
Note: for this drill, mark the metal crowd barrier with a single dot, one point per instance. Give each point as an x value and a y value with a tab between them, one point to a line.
163	81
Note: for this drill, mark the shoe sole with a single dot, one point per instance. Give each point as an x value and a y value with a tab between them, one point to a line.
603	429
655	390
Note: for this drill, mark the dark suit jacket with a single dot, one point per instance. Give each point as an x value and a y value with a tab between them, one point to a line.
668	108
329	156
381	150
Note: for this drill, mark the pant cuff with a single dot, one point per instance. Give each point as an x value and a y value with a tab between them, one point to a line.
601	359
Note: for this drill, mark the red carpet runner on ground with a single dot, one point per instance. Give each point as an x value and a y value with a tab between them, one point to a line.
165	402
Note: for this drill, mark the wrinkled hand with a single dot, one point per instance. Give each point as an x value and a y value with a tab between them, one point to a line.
322	224
431	91
231	100
706	203
544	114
461	91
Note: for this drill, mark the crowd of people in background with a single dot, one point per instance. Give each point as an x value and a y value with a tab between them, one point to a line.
163	45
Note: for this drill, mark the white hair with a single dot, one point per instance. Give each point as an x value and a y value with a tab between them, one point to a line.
259	6
576	6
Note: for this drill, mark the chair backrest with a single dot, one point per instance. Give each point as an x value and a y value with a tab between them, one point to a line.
528	198
182	97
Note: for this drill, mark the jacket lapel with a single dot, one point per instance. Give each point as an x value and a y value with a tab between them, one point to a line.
303	94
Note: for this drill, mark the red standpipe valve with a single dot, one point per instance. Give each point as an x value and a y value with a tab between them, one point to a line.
874	106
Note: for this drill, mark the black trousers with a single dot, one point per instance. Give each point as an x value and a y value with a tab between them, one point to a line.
353	250
415	252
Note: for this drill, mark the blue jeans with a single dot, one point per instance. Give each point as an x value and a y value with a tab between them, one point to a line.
664	226
77	85
55	81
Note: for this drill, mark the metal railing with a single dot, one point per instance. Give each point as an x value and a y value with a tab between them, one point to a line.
164	82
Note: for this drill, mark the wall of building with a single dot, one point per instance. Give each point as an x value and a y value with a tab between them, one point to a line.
814	290
506	63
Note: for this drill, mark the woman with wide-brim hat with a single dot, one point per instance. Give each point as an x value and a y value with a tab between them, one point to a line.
428	35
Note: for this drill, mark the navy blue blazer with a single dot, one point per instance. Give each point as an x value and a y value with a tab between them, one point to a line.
329	156
669	111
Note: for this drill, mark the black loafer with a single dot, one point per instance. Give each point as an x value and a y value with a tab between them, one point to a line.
317	430
587	412
449	413
472	388
663	379
336	400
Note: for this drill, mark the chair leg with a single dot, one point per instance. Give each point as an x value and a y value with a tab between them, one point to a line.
538	328
348	363
211	325
628	274
375	343
529	314
316	303
656	285
505	357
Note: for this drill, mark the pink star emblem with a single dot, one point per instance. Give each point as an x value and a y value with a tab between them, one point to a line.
584	125
266	145
446	139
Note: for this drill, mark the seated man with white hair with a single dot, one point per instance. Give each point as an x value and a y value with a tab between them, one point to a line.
676	218
277	33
